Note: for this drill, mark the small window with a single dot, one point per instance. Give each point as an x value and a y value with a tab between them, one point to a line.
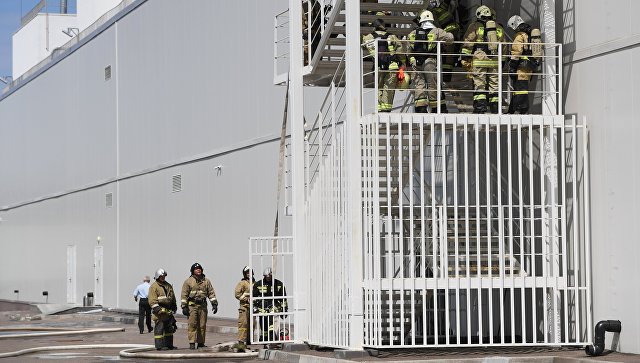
107	73
176	183
109	200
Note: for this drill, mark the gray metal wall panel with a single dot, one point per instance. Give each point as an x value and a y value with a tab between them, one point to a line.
58	133
209	221
195	78
604	88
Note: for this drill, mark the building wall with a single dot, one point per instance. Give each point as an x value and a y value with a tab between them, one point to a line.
601	80
182	99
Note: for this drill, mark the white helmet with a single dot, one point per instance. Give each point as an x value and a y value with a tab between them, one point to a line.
160	272
514	22
483	13
267	271
426	16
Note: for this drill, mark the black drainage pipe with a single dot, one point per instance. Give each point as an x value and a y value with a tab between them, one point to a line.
612	326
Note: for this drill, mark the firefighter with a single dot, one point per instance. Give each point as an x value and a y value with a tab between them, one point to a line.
163	305
196	289
391	74
480	56
424	63
522	63
243	293
268	298
442	11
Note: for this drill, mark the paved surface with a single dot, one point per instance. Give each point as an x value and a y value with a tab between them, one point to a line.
224	330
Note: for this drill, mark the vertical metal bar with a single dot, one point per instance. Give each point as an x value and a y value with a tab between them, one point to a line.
275	46
559	80
401	225
545	237
533	304
576	223
434	234
454	141
523	265
445	219
423	222
587	224
439	76
565	245
554	230
412	265
487	153
499	78
377	232
478	229
512	259
389	244
501	242
466	224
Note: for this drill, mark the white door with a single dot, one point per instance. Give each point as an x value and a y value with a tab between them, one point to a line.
97	274
71	274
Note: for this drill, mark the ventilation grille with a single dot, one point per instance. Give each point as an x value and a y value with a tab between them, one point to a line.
108	200
107	73
176	183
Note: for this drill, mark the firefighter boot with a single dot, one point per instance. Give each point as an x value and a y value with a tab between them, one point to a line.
480	106
168	342
443	109
192	346
421	109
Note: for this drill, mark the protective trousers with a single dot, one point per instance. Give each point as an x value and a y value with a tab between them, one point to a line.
520	99
266	328
163	332
426	84
243	325
387	83
144	314
197	329
485	79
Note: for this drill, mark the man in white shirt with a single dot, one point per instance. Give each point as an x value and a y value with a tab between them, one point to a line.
141	294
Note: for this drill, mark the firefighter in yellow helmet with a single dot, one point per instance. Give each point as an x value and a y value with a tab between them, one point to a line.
243	293
522	63
391	65
480	56
196	289
424	63
162	300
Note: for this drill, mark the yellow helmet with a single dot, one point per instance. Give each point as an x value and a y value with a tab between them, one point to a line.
483	13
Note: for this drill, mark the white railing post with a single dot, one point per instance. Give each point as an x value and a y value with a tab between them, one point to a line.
296	115
352	128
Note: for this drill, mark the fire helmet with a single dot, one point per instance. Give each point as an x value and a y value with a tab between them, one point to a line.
514	22
160	272
483	13
267	271
426	16
196	266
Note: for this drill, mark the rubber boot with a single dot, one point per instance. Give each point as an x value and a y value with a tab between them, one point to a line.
421	109
168	342
493	107
201	345
480	106
158	335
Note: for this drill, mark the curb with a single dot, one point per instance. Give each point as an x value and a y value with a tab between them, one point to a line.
211	328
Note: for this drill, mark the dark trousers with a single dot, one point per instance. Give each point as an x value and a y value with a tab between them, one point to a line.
144	314
266	328
163	333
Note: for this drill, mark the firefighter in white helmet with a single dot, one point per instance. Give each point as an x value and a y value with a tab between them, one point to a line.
480	56
523	61
269	296
163	305
424	62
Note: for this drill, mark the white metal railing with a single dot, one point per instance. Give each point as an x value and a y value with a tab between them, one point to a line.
281	45
60	52
327	219
457	94
474	231
271	319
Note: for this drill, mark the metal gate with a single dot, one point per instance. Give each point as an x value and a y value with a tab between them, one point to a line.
476	231
271	299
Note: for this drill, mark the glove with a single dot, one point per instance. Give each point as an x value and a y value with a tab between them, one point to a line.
401	74
214	306
156	310
255	309
185	310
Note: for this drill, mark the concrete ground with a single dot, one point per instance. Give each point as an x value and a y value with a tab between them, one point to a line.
224	330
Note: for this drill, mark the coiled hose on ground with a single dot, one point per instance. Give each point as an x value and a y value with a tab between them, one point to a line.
130	350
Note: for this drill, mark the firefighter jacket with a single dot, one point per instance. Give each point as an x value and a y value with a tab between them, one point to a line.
389	49
422	44
270	291
197	291
445	19
484	55
520	50
161	295
243	292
